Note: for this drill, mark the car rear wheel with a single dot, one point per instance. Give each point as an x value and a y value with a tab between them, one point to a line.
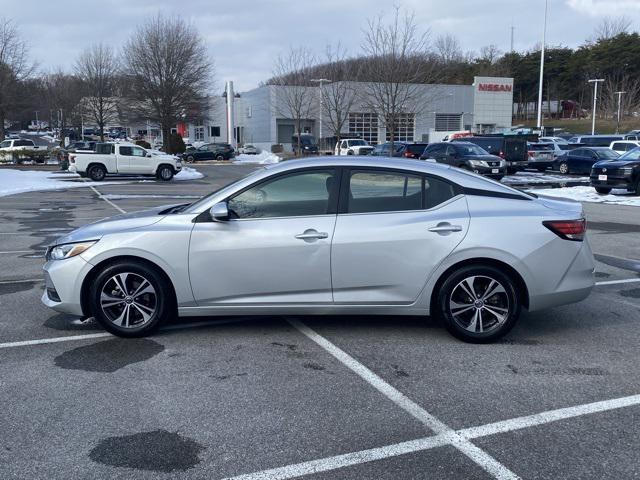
190	159
564	168
130	299
165	173
603	190
478	303
97	173
219	157
349	152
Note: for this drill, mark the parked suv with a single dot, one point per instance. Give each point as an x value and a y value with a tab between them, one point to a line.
400	149
513	149
622	172
210	151
353	146
468	156
601	140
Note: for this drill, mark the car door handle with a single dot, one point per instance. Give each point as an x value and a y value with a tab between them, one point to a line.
311	235
444	227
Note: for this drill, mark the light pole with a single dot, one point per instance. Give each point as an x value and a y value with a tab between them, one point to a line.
544	34
619	102
320	81
37	122
595	82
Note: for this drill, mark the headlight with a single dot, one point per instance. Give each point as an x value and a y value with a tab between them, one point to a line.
68	250
476	163
627	170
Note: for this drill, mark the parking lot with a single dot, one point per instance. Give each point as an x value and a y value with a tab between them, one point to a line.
320	397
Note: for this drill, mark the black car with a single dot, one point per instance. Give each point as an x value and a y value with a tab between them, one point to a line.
210	151
468	156
622	172
511	148
400	149
580	160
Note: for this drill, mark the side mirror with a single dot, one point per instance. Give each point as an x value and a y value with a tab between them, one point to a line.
219	212
149	155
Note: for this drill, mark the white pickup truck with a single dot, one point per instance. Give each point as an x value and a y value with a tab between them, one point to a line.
353	146
123	159
18	148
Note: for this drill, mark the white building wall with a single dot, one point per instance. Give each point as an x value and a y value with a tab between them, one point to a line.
492	101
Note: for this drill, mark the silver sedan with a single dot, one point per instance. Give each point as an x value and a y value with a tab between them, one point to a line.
355	235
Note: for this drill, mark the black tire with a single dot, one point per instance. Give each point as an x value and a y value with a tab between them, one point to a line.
97	173
190	159
451	290
219	157
564	168
163	304
603	190
349	152
636	188
164	173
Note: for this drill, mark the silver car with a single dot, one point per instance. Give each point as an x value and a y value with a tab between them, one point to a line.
348	235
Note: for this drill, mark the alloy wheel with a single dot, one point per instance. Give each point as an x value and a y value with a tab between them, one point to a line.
128	300
564	168
479	304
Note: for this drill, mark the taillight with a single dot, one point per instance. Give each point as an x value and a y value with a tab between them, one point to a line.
408	154
531	154
501	154
568	229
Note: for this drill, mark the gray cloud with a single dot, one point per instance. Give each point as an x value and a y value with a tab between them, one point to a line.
244	37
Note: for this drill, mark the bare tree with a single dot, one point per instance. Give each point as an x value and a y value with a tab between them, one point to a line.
294	90
63	94
610	27
14	68
98	69
338	96
448	48
167	62
396	67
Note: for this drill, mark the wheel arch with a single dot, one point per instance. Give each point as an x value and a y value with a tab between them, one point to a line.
94	272
160	165
94	164
521	285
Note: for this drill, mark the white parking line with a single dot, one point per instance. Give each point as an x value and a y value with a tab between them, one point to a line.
27	280
20	251
428	443
615	282
106	199
43	341
482	458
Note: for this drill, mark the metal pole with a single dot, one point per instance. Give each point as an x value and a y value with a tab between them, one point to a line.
320	82
230	120
544	34
619	102
595	82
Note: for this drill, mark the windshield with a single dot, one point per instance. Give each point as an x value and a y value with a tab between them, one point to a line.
472	150
5	144
607	154
631	155
195	205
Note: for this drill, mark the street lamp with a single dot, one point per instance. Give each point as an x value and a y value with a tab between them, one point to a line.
595	82
544	34
619	102
320	81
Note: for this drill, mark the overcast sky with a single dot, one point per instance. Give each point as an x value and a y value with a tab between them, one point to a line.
245	36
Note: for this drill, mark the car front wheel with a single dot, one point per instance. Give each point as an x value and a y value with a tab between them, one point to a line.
97	173
564	168
478	304
130	299
165	173
603	190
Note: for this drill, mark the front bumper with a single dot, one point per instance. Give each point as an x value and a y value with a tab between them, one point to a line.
63	284
517	165
489	171
612	182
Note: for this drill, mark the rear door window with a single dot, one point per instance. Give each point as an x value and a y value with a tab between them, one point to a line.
384	191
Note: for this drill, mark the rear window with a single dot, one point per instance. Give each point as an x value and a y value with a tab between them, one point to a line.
417	148
540	146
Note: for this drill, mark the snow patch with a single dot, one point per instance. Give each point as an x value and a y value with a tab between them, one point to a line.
188	173
588	194
539	177
262	158
20	181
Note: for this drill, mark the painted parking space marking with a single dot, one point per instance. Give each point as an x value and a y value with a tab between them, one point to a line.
105	199
440	440
479	456
616	282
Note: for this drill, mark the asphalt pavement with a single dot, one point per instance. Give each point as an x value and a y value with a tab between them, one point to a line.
328	397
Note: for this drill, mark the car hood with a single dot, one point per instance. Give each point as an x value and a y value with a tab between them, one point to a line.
615	163
119	223
486	158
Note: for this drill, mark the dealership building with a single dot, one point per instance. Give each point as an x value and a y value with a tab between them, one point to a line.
257	116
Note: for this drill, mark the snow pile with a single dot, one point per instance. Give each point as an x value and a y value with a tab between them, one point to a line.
20	181
539	177
262	158
188	173
588	194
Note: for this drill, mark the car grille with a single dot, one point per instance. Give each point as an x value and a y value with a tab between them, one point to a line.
494	164
609	171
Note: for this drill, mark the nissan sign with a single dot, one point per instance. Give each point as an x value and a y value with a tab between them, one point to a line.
494	87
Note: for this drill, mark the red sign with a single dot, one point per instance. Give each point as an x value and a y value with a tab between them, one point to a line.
494	87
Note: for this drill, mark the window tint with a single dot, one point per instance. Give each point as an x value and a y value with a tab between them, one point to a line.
437	191
416	148
436	149
377	191
297	194
126	151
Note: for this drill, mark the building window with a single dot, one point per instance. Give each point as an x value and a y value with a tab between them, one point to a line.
214	131
448	122
405	125
364	126
199	134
